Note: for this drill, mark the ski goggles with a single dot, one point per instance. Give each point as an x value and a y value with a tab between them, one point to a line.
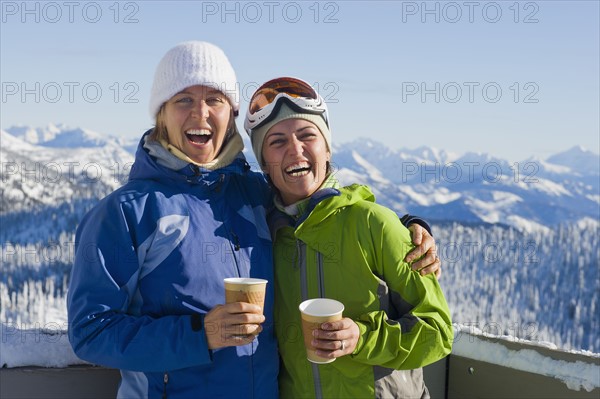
268	98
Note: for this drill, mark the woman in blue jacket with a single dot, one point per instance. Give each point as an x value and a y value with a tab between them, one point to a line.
147	283
146	292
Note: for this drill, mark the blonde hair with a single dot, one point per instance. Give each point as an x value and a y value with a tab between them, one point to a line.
160	128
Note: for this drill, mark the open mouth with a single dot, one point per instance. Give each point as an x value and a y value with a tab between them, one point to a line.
299	169
198	136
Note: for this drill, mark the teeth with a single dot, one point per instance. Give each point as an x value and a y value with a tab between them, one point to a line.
298	167
198	132
299	173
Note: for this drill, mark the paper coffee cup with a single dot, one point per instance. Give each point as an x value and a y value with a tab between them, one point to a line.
244	289
314	313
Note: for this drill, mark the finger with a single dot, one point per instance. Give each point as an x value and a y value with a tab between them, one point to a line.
326	345
429	258
245	318
416	233
335	325
238	340
434	267
219	337
332	349
242	307
326	335
327	354
243	329
415	253
429	269
427	244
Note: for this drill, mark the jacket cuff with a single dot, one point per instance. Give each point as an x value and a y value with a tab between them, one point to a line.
407	220
363	330
197	322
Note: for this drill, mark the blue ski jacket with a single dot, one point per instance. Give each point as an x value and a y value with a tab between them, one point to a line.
150	260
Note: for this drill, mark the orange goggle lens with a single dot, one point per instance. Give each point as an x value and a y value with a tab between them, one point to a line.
266	94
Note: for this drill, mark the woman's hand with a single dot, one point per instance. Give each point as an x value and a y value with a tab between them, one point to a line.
233	324
336	338
425	250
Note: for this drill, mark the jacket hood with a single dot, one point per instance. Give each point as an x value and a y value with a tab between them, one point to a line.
154	162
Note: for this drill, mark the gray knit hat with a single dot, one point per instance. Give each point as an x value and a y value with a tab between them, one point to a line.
189	64
258	135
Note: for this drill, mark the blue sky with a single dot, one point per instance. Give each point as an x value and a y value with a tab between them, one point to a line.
512	79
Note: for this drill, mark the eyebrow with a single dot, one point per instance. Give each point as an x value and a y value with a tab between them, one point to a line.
295	131
275	134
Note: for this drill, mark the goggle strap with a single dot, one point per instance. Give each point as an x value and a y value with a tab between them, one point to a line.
292	105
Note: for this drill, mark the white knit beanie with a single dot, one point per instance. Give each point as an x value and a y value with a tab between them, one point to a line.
257	136
189	64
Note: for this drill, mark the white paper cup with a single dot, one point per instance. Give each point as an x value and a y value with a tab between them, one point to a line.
244	289
314	313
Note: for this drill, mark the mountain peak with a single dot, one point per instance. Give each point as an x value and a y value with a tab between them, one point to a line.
38	135
430	154
60	136
578	159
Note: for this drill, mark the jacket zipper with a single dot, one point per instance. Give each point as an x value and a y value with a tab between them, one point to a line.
236	241
301	252
301	249
220	183
165	381
196	171
234	244
320	275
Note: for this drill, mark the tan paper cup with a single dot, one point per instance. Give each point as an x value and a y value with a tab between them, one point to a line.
243	289
314	313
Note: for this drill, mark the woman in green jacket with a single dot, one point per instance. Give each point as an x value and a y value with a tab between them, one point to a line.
336	242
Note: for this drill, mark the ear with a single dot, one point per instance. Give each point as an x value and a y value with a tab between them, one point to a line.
264	167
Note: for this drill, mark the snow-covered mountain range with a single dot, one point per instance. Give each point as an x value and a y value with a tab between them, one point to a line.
55	163
530	194
519	241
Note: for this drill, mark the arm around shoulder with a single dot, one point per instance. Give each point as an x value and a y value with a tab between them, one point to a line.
414	326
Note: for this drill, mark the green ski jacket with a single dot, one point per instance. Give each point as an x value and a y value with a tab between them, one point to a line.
347	247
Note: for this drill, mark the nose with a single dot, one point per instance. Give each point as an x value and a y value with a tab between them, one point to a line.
201	110
295	146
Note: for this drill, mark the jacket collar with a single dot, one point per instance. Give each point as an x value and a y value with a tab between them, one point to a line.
154	162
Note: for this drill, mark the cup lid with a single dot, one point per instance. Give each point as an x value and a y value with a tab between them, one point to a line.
245	280
321	307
